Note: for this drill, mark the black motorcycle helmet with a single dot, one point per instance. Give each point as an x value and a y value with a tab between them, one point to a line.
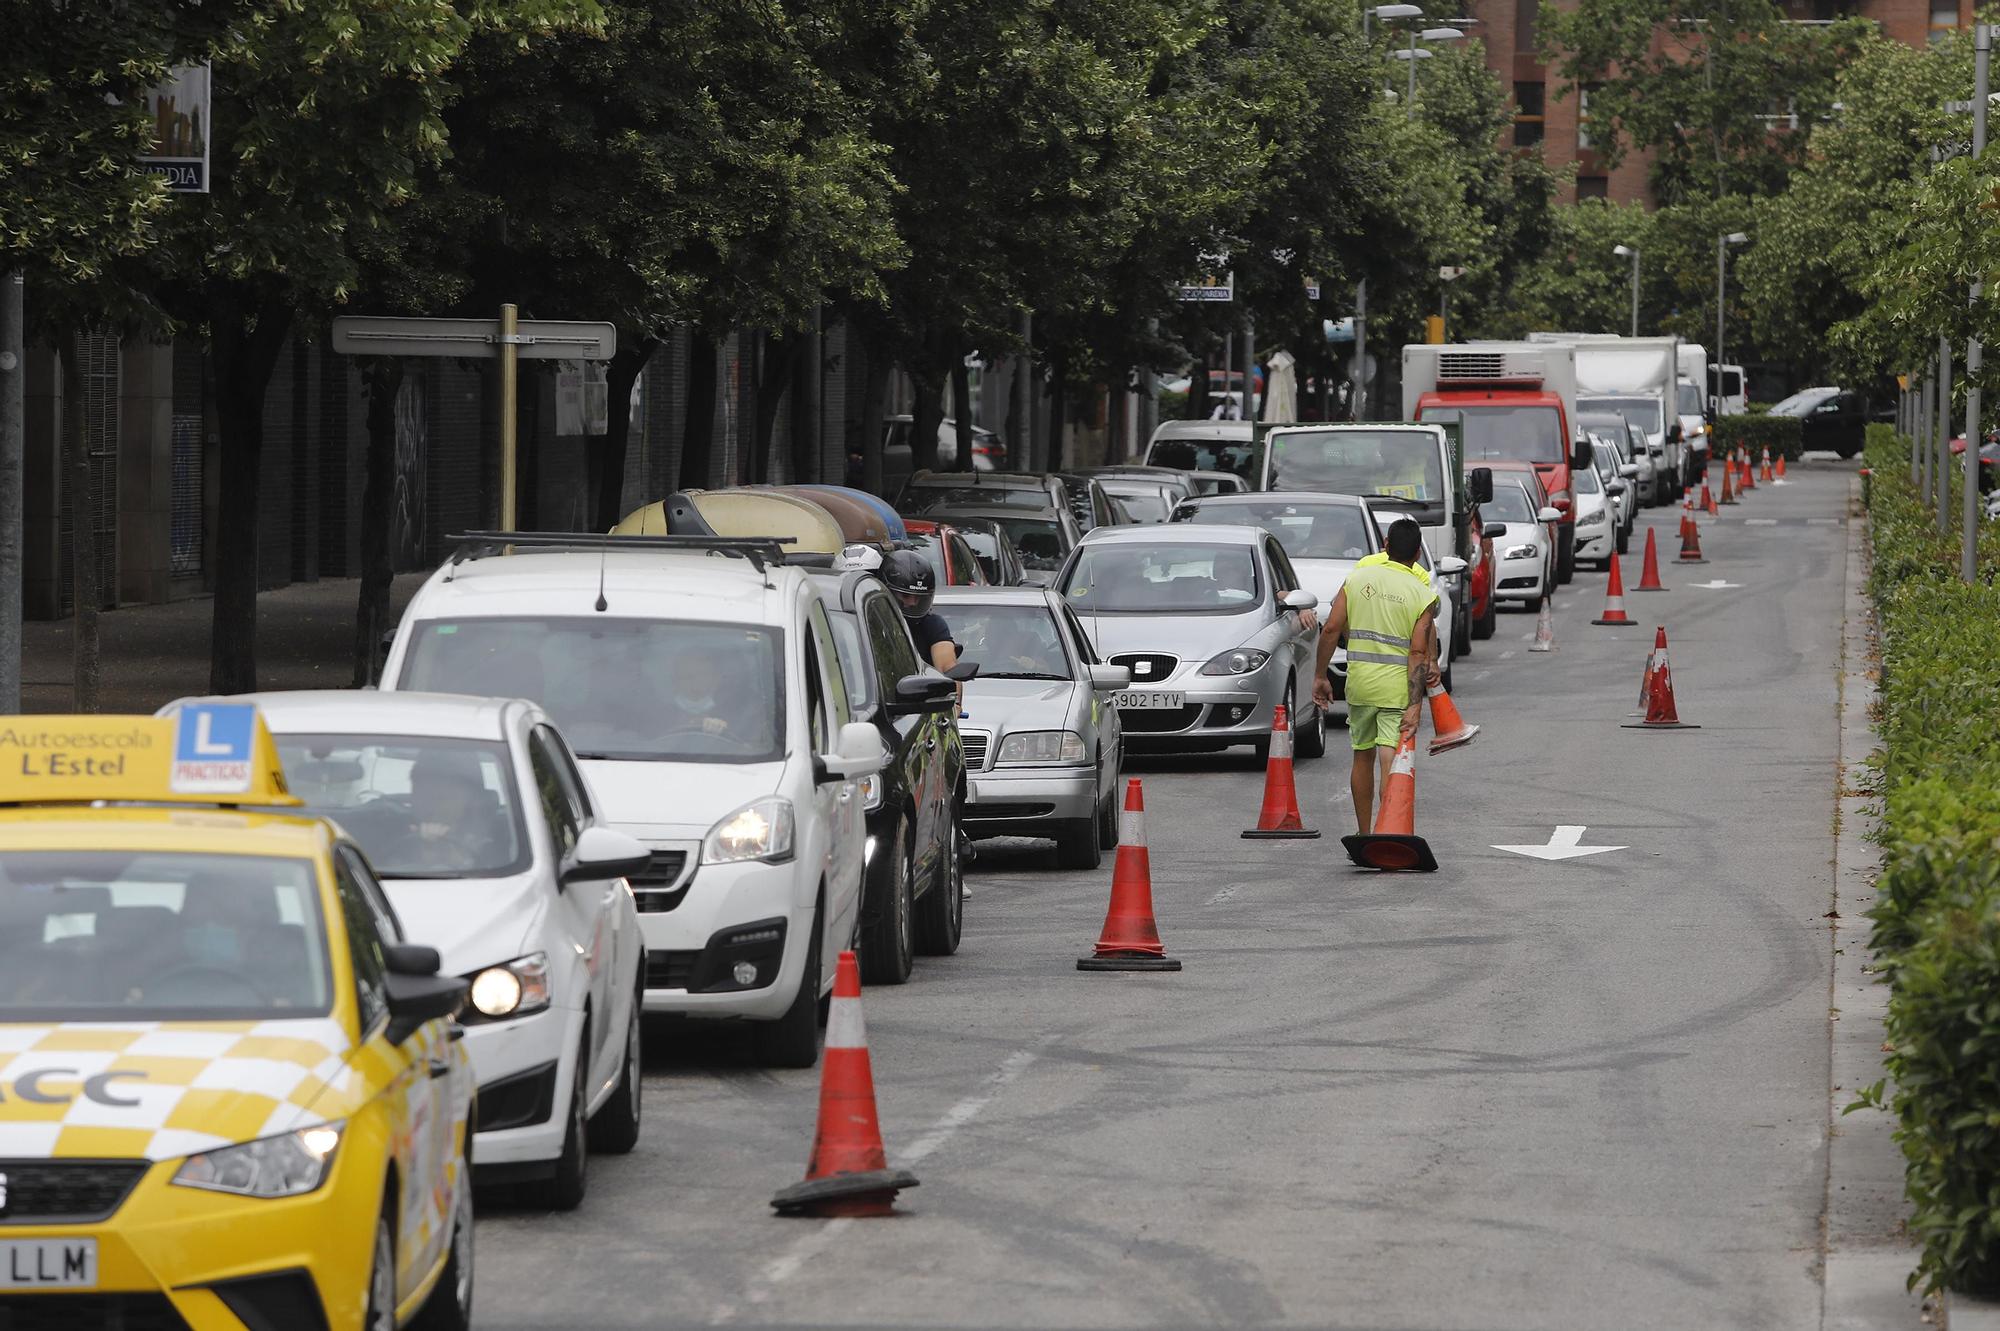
909	576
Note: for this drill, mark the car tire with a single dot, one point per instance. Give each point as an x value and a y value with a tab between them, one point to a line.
449	1308
380	1313
792	1041
565	1189
1461	632
1624	539
1107	820
1565	556
1076	844
888	942
941	911
1310	742
1485	625
614	1128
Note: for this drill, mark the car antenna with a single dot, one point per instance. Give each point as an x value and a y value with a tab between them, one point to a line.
603	554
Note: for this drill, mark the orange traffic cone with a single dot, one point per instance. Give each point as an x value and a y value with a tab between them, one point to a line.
1691	545
1747	479
1280	814
1649	572
1394	844
1766	472
848	1173
1707	498
1660	710
1448	728
1130	940
1781	471
1646	681
1728	495
1614	595
1545	626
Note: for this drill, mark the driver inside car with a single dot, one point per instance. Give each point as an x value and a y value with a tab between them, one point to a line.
449	806
698	698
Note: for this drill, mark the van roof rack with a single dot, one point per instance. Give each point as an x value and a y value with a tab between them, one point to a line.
758	551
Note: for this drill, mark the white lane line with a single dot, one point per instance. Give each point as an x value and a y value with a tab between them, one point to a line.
1507	655
1824	522
1478	675
1760	522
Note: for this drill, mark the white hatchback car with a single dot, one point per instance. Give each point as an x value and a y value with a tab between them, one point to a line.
474	818
1596	517
1520	533
700	685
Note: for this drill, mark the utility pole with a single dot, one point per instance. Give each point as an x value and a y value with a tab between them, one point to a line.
1940	476
1249	368
1357	401
13	438
1968	543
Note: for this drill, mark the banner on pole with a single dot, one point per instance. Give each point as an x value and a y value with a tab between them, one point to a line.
179	112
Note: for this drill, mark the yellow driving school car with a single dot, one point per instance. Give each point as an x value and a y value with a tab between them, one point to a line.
230	1095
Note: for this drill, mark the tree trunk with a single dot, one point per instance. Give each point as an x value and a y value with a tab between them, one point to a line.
926	416
874	401
961	409
698	439
1058	414
1197	394
807	368
79	498
383	378
775	358
245	347
606	463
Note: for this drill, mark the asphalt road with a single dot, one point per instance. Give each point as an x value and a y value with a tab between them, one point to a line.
1508	1094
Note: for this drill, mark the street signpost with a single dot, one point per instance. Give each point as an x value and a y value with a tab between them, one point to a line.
508	338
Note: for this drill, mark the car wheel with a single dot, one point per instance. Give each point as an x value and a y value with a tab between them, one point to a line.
941	911
449	1308
565	1190
1076	844
792	1041
1624	539
1107	821
614	1128
1565	556
888	948
1461	632
381	1314
1485	624
1310	742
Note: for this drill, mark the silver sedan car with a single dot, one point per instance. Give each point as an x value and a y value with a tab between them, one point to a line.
1043	745
1213	623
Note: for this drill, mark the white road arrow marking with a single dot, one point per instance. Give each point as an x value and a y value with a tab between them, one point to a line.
1562	846
1714	586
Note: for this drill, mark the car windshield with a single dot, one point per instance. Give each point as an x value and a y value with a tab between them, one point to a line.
1405	463
1009	641
1509	504
640	690
1586	480
1801	402
1525	433
1732	383
921	498
120	935
1038	541
1179	577
1643	412
421	807
1238	458
1306	530
1690	400
986	549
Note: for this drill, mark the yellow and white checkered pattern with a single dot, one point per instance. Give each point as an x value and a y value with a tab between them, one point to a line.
200	1085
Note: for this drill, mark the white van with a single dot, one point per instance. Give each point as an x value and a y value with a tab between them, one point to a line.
699	686
1229	446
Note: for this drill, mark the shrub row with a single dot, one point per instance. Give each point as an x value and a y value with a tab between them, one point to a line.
1937	919
1757	432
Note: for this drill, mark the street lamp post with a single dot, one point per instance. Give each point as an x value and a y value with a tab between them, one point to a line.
1968	543
1414	54
1627	252
1358	397
1722	245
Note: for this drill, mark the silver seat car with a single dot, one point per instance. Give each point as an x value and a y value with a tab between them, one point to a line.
1214	625
1043	744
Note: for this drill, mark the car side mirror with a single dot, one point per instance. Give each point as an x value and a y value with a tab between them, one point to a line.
1298	598
963	672
857	750
1110	676
417	994
925	691
1548	514
1579	454
1451	566
1494	530
1615	487
1628	469
601	853
1480	483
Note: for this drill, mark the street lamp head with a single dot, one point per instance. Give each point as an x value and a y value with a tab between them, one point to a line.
1736	238
1396	11
1624	251
1440	34
1418	54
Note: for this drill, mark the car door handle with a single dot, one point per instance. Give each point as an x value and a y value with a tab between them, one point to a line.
440	1067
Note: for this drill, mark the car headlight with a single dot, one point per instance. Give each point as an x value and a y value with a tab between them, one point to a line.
1594	518
1239	662
758	831
1521	552
514	988
871	791
1041	747
288	1165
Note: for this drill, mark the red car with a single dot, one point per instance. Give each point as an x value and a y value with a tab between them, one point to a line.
947	553
1480	608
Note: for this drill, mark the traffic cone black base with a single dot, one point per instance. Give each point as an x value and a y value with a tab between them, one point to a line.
1135	963
1380	850
845	1194
1302	834
1658	725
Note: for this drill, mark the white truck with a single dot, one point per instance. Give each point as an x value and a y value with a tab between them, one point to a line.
1637	378
1691	406
1514	405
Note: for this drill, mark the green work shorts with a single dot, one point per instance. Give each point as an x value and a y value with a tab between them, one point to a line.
1374	727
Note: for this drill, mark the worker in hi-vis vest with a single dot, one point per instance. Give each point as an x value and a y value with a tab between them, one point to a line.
1388	613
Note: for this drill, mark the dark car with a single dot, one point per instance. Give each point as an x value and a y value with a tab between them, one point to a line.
1833	419
992	547
1042	537
913	899
1089	501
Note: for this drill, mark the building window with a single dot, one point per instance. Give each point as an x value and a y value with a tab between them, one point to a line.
1529	104
1593	187
1583	96
1944	18
1524	24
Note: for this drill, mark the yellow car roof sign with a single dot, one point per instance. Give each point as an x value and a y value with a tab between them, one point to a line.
206	753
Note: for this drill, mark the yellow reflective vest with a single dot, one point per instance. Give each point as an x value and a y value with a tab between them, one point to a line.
1384	602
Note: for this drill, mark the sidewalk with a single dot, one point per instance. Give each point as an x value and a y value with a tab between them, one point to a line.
152	654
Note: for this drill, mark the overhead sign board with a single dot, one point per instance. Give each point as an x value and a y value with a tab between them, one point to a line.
179	112
473	339
1211	288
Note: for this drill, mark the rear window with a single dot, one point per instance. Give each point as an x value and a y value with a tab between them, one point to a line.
1238	458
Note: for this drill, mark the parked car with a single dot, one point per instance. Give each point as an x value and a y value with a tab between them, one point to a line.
925	490
1525	535
1216	482
1833	419
914	897
485	837
946	550
1632	442
1227	446
1043	743
1623	486
1042	538
756	831
1144	501
1596	516
900	458
1214	625
990	545
1089	501
1482	607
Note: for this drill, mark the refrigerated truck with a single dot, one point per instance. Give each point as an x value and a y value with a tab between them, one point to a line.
1510	401
1637	378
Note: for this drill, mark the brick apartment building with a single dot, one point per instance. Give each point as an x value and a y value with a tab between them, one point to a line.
1560	126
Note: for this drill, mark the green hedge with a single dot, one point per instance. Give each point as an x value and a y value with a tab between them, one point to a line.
1937	920
1757	432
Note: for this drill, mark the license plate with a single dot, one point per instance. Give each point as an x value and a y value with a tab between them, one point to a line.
1140	701
48	1264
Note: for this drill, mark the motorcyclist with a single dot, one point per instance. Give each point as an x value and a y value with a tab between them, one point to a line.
909	576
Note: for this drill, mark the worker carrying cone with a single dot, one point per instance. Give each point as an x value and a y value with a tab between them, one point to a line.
1280	814
1649	572
1394	843
1387	611
848	1175
1614	596
1661	713
1130	939
1448	728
